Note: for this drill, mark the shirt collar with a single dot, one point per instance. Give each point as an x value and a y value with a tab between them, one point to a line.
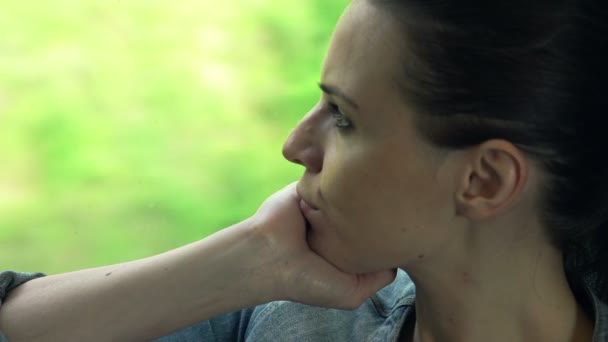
600	313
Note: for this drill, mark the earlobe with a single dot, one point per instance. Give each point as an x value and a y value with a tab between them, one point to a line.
495	175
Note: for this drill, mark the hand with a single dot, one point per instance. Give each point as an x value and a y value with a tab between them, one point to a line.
300	274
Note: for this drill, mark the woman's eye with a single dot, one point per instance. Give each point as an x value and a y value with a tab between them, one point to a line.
341	121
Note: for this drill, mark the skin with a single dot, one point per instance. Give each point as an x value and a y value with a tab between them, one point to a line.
463	224
375	196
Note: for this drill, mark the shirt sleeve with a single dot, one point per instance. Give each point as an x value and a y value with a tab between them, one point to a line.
9	280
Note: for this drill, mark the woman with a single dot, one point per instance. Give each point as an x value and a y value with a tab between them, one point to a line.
461	142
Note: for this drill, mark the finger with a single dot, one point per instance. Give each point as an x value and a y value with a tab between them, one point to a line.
344	290
293	191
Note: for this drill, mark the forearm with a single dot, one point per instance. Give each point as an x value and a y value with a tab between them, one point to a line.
142	299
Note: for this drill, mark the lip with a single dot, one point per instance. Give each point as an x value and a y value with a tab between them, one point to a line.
307	208
305	204
311	213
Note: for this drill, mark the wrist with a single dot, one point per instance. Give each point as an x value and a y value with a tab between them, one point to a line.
237	264
257	263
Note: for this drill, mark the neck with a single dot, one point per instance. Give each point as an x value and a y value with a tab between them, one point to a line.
497	294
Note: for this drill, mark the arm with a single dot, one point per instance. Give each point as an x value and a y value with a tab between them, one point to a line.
241	266
142	299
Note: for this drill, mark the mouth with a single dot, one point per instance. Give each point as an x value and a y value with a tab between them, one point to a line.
304	204
310	212
306	207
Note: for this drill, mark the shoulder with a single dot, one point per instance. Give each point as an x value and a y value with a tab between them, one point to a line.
401	292
308	323
378	319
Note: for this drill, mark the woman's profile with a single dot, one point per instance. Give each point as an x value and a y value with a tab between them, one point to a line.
454	189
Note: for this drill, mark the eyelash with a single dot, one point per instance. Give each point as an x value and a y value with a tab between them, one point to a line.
341	121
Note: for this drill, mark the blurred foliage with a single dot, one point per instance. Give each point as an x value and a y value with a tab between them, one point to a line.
131	127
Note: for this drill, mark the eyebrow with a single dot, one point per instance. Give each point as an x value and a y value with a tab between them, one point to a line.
334	91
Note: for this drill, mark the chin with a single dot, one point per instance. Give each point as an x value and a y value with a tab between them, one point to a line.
333	254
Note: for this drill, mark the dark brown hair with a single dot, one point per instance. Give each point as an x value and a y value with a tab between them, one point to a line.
534	73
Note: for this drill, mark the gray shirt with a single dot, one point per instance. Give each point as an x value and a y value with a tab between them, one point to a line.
380	318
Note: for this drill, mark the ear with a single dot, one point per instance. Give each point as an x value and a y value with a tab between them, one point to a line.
495	174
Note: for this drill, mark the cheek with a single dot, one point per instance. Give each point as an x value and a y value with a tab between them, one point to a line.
379	210
361	187
343	182
373	188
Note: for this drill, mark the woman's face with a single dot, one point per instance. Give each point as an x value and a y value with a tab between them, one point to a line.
376	190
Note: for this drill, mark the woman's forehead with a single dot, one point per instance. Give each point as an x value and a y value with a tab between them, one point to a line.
363	34
362	58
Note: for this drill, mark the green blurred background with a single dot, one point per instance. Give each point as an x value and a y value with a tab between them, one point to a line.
129	127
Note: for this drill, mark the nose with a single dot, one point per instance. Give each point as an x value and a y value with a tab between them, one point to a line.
303	146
